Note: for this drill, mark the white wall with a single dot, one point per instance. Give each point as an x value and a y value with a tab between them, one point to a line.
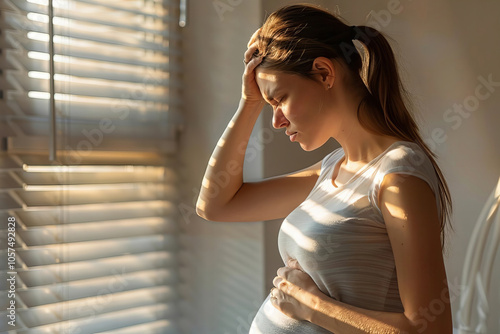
443	48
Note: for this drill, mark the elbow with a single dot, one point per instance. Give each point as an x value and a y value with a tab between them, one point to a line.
201	209
202	213
207	215
212	209
205	211
214	214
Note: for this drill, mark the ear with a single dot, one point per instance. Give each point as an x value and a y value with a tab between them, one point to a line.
324	71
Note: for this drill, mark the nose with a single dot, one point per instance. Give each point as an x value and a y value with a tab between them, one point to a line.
279	120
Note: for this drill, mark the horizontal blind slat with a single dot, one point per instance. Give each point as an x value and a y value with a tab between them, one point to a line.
88	108
92	250
81	197
59	292
39	236
88	87
146	175
79	214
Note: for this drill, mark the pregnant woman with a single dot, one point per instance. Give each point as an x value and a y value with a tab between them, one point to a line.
363	229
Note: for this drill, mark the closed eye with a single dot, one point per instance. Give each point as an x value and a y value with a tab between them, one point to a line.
278	102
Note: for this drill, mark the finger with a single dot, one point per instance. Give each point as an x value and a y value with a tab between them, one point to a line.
275	293
276	281
250	52
284	271
252	64
254	37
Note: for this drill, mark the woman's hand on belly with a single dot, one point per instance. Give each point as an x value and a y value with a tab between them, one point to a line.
295	293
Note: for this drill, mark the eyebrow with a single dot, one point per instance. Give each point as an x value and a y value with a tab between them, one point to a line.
270	95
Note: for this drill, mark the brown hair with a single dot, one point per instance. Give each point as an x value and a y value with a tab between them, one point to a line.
295	35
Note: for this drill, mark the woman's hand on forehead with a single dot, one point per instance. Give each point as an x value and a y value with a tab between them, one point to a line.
253	38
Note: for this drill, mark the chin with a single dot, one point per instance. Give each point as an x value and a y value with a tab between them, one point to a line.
311	146
308	148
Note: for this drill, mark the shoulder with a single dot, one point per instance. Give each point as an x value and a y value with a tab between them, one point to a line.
408	158
405	156
408	166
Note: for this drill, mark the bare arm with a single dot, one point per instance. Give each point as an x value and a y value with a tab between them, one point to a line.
223	195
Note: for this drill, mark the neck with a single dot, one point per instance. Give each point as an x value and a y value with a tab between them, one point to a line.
360	145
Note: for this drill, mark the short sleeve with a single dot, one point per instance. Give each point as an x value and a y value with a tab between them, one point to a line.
408	159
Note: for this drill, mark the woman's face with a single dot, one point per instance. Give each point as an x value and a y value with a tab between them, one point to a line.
298	106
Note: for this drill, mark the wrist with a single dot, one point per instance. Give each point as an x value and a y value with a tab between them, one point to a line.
318	303
251	104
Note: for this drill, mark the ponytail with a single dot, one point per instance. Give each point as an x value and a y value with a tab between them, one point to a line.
381	77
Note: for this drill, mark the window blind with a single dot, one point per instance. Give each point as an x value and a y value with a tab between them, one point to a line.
96	245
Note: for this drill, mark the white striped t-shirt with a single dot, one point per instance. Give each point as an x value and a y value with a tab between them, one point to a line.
339	238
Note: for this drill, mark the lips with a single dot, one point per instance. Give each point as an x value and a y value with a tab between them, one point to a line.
292	135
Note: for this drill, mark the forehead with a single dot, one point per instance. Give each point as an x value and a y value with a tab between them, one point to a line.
266	77
269	80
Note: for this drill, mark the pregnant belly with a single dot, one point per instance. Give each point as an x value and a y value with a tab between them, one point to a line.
270	320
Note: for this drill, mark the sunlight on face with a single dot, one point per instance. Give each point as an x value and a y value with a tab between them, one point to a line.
267	76
299	106
268	82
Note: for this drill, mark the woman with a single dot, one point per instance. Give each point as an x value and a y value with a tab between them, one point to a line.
364	228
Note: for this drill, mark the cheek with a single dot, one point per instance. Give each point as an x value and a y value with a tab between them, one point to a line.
298	110
305	106
307	111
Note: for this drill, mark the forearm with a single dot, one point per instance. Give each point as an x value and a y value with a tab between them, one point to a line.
341	318
224	174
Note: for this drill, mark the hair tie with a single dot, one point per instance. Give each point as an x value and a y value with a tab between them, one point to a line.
352	32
